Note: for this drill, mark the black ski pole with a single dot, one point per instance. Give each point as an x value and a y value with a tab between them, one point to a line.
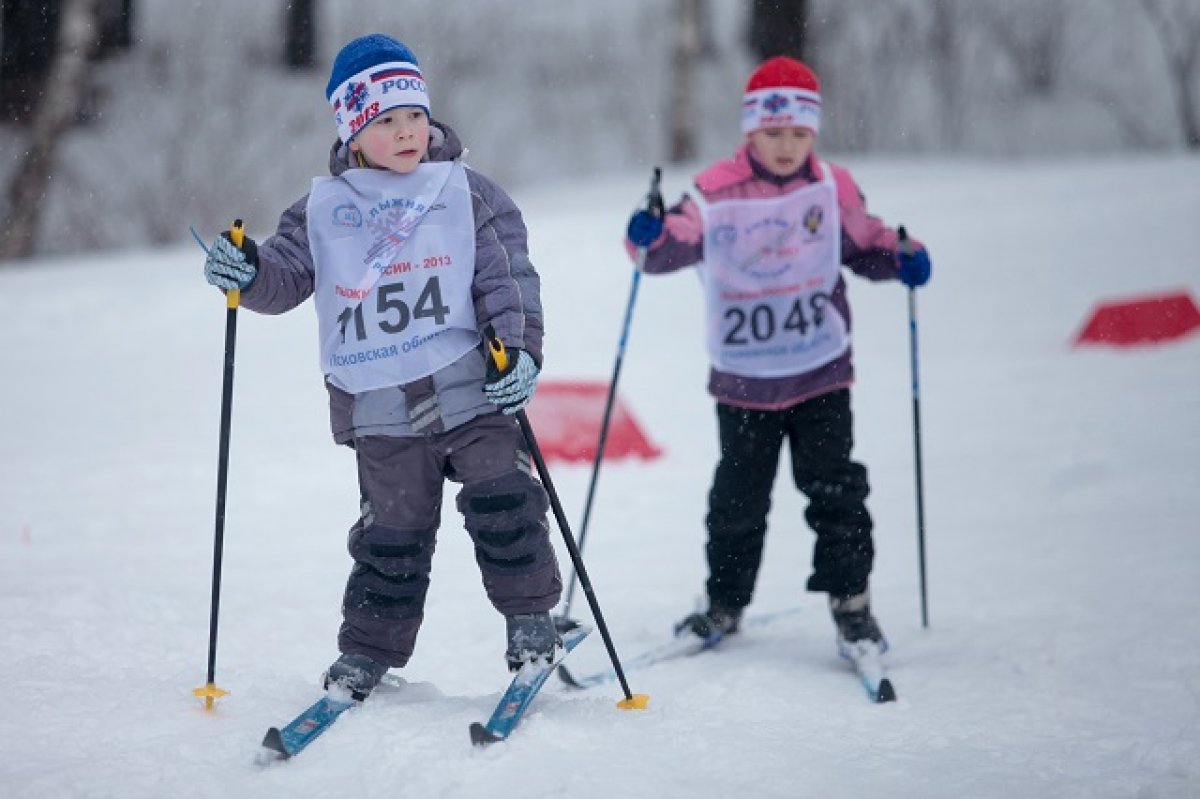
654	204
907	248
210	692
631	701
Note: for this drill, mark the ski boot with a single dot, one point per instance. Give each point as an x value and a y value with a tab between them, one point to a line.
355	673
856	627
532	637
710	626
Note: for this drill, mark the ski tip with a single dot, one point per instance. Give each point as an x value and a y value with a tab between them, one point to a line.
886	692
273	740
481	735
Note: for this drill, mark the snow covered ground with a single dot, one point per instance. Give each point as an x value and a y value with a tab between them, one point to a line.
1063	512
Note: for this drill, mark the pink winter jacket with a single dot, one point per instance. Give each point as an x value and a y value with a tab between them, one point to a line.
868	248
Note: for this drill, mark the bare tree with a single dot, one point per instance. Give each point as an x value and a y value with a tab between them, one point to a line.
1032	38
29	39
300	42
780	27
65	86
30	32
688	44
946	53
115	18
1177	26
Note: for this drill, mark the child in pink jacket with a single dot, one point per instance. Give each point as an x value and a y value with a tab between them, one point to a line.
769	232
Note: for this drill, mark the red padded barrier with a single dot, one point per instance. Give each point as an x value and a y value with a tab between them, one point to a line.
1141	320
566	419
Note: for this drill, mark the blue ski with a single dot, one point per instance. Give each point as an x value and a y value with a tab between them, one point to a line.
524	687
303	729
680	646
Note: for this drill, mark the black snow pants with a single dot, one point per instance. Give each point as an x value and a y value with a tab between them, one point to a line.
504	511
819	433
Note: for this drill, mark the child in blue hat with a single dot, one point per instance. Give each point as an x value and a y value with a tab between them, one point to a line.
408	255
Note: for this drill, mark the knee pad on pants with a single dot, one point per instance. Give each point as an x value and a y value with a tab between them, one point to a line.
506	517
391	569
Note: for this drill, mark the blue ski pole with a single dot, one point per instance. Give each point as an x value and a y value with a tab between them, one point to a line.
906	247
654	203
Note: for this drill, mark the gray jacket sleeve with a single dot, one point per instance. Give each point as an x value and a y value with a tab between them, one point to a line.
507	289
285	265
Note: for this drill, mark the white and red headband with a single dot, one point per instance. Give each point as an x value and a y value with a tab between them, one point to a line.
367	94
781	93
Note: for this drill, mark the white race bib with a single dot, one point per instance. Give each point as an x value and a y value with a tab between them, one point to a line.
395	261
769	271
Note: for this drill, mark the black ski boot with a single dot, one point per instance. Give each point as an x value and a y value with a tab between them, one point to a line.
355	673
856	627
531	637
712	625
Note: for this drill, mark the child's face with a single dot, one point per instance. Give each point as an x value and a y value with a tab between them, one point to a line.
782	150
397	139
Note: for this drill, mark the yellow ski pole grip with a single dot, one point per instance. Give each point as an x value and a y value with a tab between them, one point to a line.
496	348
237	234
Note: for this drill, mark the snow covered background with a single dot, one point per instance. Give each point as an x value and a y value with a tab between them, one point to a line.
199	116
1062	495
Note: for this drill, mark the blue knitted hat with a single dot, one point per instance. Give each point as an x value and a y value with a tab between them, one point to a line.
370	75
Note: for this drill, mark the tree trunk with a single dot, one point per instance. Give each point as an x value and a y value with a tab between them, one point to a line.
688	42
115	27
945	56
29	33
1190	116
63	90
1178	29
300	46
780	27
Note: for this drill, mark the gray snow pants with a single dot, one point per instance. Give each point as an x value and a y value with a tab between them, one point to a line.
392	543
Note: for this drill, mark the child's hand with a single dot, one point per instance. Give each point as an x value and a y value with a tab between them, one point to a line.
644	228
513	388
915	267
228	267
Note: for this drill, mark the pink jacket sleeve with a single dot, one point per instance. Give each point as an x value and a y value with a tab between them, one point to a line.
868	245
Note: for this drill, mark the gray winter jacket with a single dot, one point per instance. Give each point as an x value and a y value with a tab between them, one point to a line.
507	295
